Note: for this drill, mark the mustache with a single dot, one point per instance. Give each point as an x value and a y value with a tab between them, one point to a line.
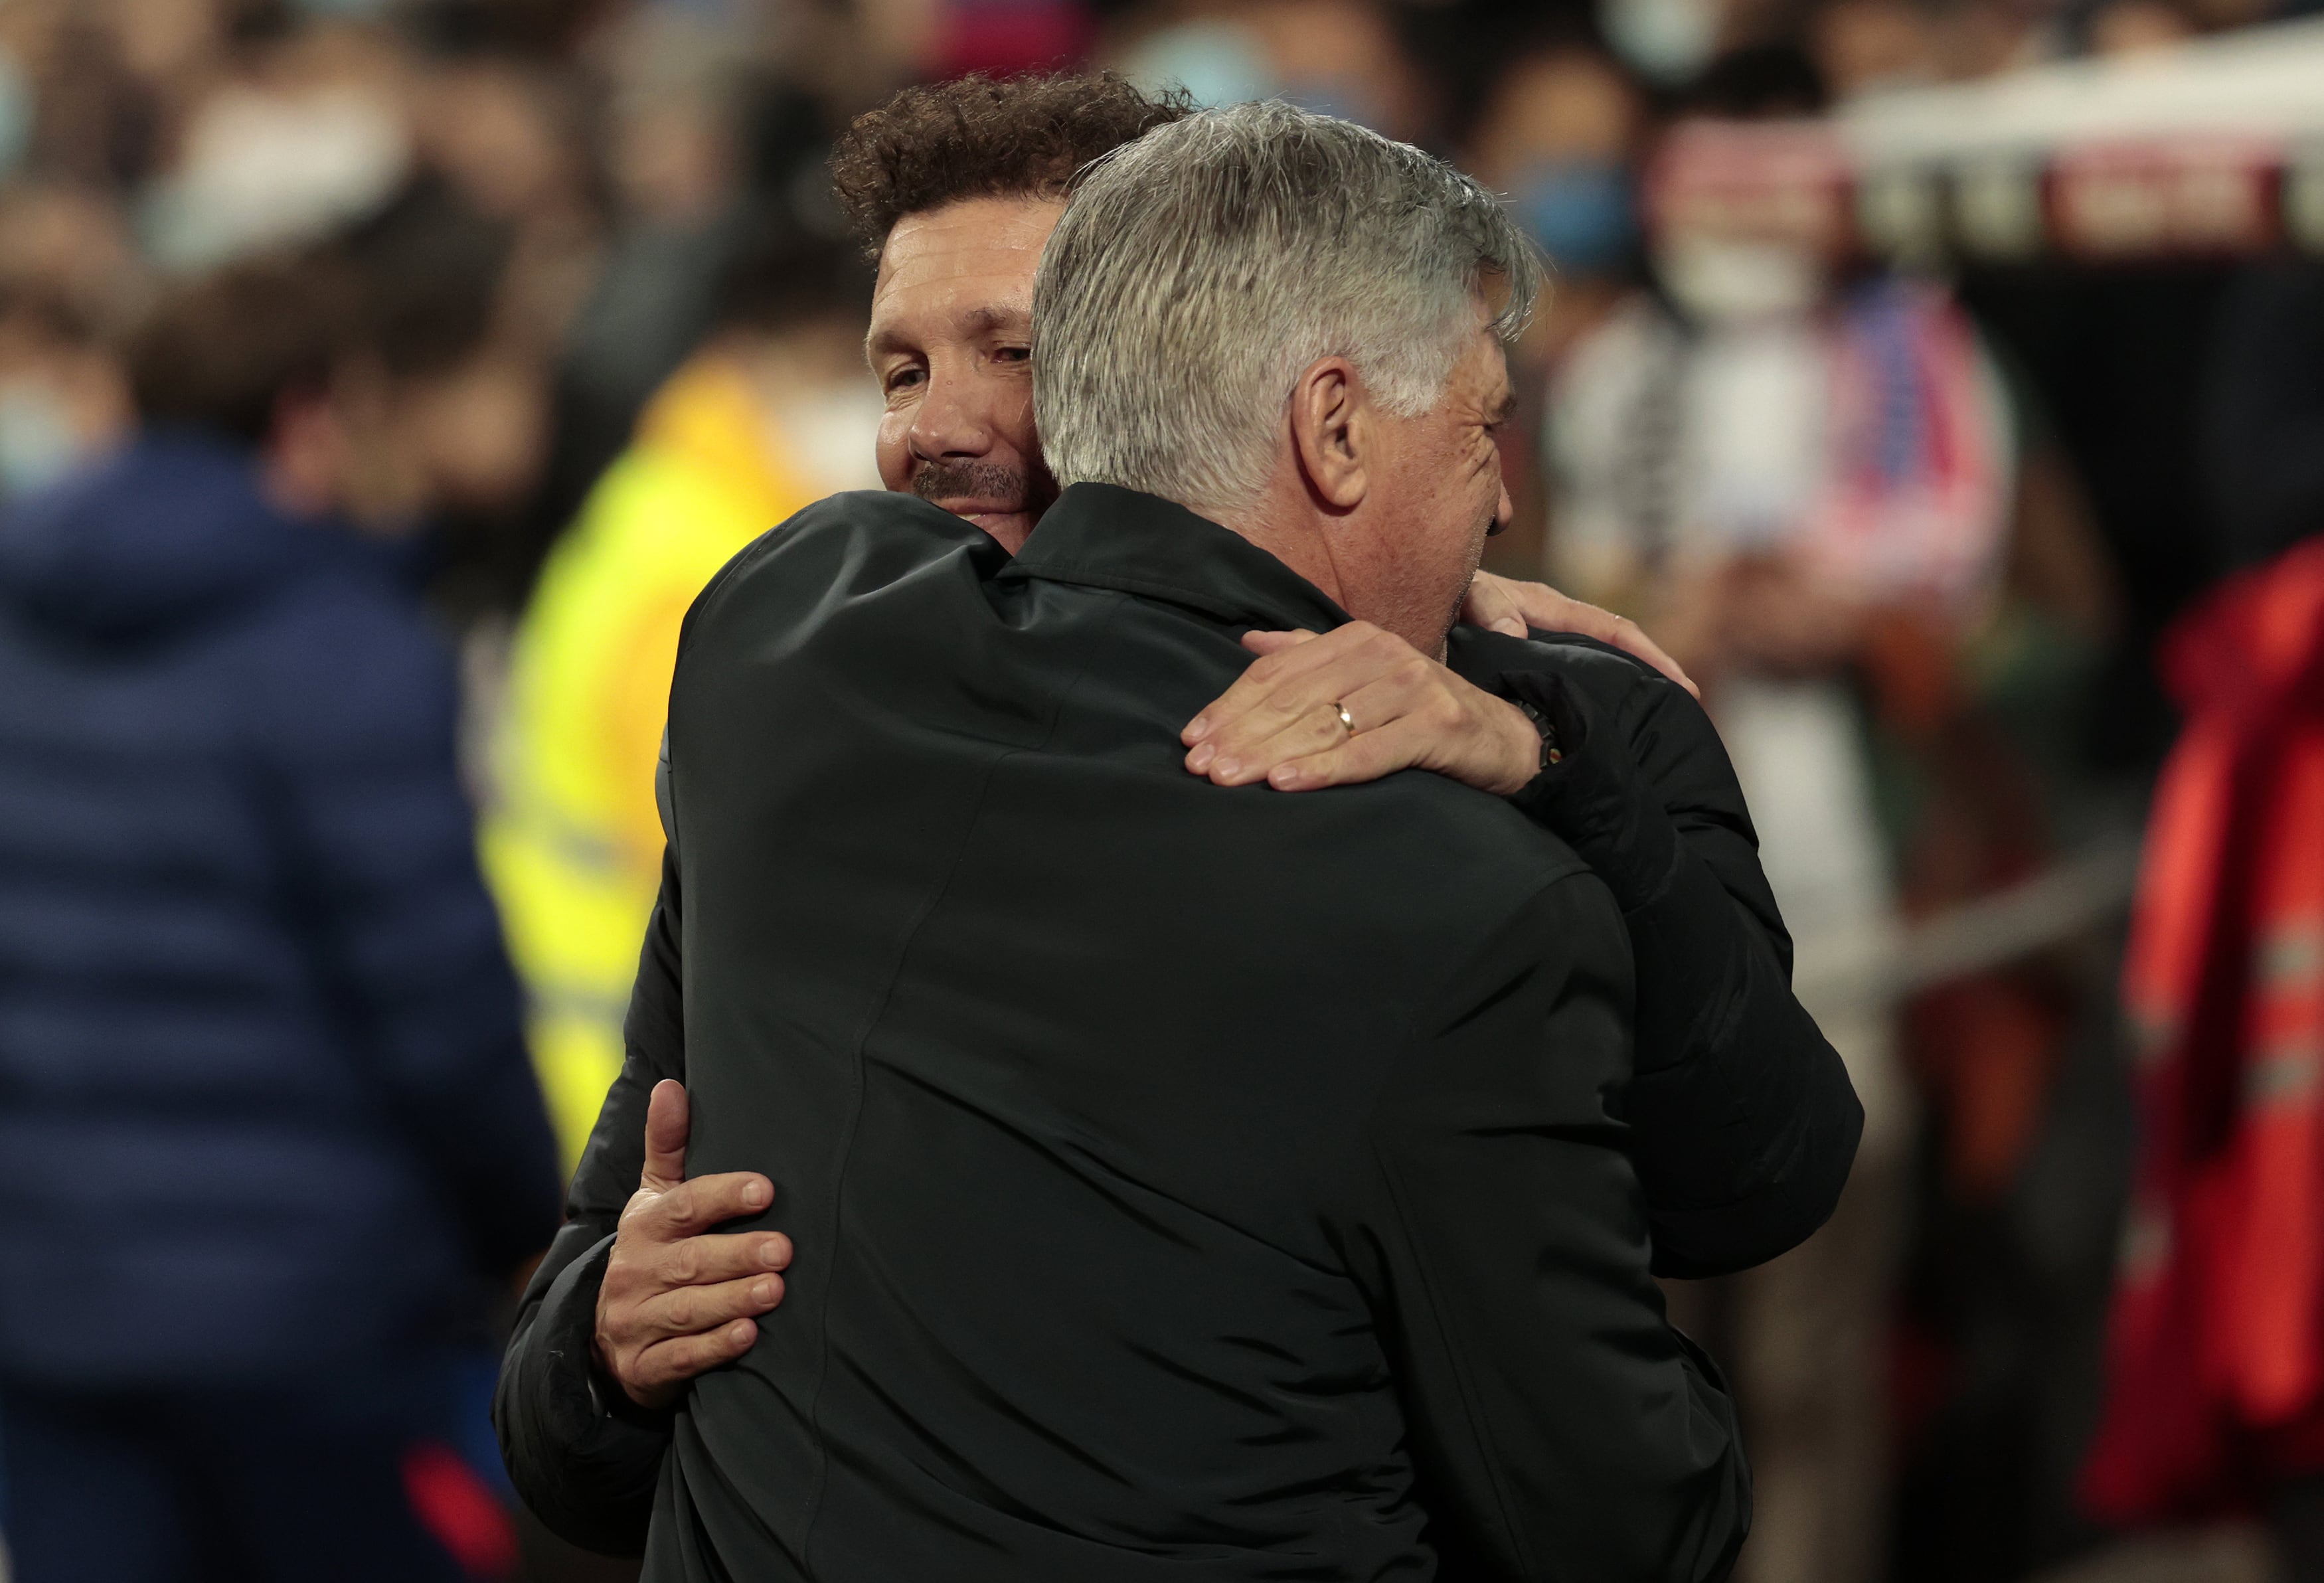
979	480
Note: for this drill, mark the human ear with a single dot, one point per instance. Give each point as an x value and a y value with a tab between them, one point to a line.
1330	430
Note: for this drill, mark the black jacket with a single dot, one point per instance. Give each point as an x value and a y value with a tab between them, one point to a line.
1743	1121
1187	1182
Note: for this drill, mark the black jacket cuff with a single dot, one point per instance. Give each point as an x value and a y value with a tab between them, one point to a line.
584	1455
1591	798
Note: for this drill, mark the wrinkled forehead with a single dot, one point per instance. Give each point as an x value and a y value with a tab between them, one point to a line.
1481	377
965	270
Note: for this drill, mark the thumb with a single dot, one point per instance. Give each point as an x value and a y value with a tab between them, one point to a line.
1264	644
668	1121
1490	606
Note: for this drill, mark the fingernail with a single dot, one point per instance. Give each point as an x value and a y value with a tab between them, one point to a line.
765	1292
1284	778
1200	759
741	1332
1226	767
777	1253
755	1195
1198	728
1511	625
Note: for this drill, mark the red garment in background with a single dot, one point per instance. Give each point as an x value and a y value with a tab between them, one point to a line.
2216	1345
1001	37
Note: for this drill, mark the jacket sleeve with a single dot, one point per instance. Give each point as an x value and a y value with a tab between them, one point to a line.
1561	1427
357	746
582	1456
1745	1123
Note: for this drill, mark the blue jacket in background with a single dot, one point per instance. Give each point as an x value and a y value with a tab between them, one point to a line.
264	1103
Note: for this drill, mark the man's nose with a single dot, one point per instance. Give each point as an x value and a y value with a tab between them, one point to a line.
947	425
1504	512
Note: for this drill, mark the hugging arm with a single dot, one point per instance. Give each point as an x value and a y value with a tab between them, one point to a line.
1744	1121
584	1457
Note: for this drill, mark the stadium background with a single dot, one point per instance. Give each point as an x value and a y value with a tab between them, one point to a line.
1912	366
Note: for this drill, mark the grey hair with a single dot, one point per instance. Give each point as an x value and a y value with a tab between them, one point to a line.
1199	269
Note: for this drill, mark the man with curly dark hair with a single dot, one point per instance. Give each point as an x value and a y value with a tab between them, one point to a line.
1747	1123
937	144
953	189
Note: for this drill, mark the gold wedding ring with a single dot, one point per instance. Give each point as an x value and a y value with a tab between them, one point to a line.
1346	719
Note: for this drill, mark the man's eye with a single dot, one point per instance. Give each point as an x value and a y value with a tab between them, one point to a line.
1014	353
904	378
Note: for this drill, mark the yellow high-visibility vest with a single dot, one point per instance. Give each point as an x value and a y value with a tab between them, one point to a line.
573	846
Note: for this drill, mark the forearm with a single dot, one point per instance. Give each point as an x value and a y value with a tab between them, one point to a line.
1744	1123
1743	1120
585	1462
582	1457
1744	1129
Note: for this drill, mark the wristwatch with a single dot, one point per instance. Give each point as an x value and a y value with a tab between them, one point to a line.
1550	753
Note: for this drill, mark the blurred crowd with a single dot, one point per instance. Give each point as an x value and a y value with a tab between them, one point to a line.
549	301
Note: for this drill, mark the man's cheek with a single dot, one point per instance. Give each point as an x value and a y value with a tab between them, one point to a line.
1015	422
894	450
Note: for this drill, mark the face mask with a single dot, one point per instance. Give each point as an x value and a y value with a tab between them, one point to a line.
1217	63
38	442
1580	211
1723	280
1668	40
264	170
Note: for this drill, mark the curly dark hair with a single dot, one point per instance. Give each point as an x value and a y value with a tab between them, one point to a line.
985	137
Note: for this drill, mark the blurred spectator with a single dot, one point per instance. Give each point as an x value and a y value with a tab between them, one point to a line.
704	150
775	412
2216	1362
1340	57
281	147
73	244
272	1139
1867	46
1003	37
1218	60
88	115
1668	41
63	399
1804	484
2139	27
513	138
1559	135
1343	58
2216	1377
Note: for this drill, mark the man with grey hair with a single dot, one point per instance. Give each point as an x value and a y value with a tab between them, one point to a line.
1188	1181
1348	280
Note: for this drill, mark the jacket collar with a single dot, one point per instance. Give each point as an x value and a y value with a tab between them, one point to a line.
1101	536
